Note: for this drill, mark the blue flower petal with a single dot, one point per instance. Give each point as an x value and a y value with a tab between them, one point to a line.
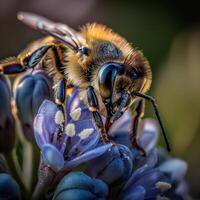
52	157
89	155
149	135
78	186
9	188
44	123
177	168
120	130
113	166
137	193
75	194
147	179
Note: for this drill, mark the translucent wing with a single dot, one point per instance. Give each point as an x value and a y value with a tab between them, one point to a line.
60	31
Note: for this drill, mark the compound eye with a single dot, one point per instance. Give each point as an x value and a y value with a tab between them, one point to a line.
106	78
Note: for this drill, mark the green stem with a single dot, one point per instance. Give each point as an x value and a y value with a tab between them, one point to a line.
15	173
45	178
35	165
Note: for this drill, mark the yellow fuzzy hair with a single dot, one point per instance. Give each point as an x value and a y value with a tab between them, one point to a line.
94	31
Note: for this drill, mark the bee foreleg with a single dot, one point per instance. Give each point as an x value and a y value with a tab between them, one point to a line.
139	112
94	108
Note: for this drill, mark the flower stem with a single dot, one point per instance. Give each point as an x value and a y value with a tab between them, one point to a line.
15	173
35	165
45	178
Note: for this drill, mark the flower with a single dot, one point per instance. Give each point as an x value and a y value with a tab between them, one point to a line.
79	186
7	123
30	90
8	187
113	167
146	183
153	176
73	146
120	133
176	170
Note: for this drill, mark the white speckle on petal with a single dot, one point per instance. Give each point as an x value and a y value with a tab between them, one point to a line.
163	186
70	130
59	117
75	115
85	133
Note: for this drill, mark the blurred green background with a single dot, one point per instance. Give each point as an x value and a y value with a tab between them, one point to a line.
168	32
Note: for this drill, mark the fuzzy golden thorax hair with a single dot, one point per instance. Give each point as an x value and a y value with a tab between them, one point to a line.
105	46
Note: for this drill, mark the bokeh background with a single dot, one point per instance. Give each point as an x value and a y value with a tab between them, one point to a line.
168	32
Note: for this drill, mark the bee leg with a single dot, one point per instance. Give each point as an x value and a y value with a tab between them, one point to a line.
16	65
11	66
94	108
139	112
60	98
34	58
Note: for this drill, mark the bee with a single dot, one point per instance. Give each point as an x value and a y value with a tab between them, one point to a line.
110	74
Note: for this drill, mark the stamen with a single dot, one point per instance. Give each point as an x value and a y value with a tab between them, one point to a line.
85	133
75	115
70	130
163	186
59	117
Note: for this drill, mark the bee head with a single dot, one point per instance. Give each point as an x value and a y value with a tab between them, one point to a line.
119	81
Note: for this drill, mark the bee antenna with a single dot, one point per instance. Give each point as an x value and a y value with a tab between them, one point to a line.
149	98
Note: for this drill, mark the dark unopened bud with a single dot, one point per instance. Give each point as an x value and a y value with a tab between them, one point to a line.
7	128
77	185
30	90
8	187
114	167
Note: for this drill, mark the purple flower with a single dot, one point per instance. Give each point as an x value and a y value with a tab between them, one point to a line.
113	167
146	183
73	146
148	136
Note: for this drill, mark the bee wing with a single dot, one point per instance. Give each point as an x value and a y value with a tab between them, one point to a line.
60	31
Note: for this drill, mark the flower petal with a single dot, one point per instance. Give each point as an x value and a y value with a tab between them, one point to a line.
79	186
149	135
52	157
137	193
113	166
89	155
9	188
44	123
177	168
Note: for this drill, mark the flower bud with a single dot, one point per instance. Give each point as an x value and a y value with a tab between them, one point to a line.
79	186
113	167
7	127
8	187
30	90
